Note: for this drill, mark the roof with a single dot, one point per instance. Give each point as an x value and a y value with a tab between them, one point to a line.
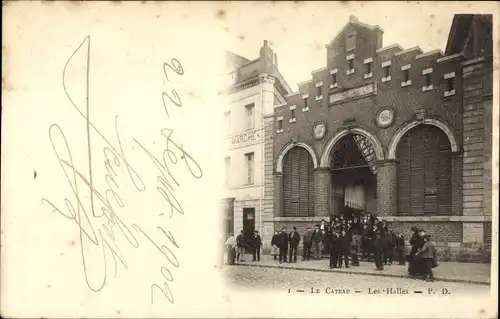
354	21
459	31
235	59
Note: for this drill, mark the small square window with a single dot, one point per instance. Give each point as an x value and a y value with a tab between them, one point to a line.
387	71
450	84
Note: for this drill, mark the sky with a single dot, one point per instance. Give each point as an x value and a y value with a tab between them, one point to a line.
298	32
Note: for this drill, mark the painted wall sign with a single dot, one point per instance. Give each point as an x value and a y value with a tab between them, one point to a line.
353	93
245	139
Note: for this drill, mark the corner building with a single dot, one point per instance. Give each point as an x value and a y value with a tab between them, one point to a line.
401	133
257	88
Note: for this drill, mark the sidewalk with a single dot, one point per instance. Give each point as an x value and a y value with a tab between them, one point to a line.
473	273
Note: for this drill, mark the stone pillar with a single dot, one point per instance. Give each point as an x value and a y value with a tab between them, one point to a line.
322	187
386	188
278	194
476	96
456	184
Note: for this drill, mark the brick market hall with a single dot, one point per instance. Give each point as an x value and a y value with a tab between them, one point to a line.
397	132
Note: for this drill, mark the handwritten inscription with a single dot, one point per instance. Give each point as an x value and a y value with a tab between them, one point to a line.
96	212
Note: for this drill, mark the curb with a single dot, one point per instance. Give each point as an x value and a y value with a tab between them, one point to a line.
465	281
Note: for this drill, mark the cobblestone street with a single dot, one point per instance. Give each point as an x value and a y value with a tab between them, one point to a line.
255	278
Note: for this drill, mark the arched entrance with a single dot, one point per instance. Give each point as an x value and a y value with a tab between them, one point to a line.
424	167
353	174
298	182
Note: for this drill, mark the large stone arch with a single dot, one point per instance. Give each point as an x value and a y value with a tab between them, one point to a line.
377	146
279	162
408	126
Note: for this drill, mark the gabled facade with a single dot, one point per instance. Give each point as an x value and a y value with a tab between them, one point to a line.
400	133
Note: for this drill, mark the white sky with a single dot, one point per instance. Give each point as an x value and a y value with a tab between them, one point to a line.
298	32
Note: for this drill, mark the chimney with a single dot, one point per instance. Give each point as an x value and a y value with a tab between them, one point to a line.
353	18
276	60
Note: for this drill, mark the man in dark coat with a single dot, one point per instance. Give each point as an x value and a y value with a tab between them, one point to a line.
344	248
240	247
294	240
334	250
367	242
274	245
390	243
317	239
283	244
355	248
256	244
307	244
378	247
400	249
416	242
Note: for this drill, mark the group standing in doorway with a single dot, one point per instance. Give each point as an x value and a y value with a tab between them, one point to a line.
348	240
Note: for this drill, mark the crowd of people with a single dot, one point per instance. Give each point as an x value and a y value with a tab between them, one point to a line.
348	239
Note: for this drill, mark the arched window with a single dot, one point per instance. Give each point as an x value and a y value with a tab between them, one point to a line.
298	183
424	172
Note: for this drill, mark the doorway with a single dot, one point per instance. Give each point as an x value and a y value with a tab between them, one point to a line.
248	222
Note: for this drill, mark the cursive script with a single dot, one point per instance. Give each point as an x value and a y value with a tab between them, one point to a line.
96	212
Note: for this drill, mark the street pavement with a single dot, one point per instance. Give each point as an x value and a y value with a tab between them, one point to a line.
281	279
476	273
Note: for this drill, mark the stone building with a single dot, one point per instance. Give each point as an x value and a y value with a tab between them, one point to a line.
256	88
401	133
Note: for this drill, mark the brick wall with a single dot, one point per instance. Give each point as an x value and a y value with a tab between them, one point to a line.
473	143
268	201
321	192
386	189
403	100
440	231
487	232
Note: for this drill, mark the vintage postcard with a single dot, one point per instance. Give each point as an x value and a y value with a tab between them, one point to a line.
249	159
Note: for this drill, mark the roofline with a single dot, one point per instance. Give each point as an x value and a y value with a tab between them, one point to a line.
359	24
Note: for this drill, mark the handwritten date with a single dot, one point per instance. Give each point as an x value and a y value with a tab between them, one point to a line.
96	212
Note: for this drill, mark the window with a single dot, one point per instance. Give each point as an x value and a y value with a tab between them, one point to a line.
350	41
334	78
427	80
406	75
368	68
451	84
318	91
386	67
227	168
227	120
306	102
280	124
387	71
250	169
351	64
292	117
250	115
